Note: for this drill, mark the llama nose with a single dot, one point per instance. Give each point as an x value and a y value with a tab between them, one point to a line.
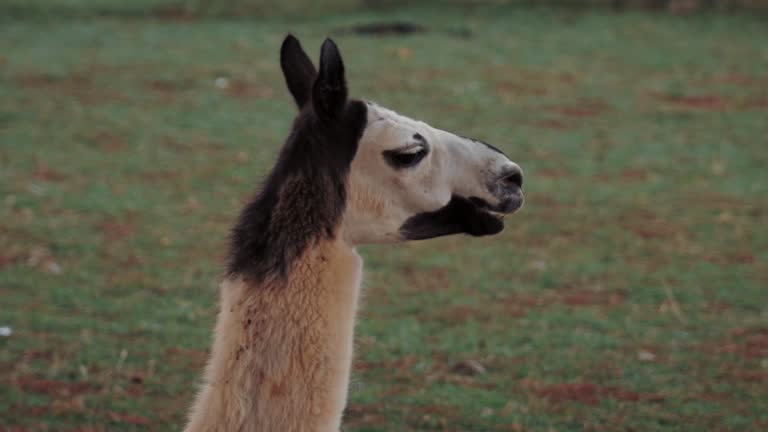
511	178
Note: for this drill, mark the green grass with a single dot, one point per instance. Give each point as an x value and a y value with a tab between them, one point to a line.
631	293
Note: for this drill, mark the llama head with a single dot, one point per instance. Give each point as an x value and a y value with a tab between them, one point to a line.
406	179
411	181
366	172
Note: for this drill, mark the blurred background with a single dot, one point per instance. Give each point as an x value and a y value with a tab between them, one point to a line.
631	293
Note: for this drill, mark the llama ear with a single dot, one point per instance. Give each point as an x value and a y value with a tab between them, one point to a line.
298	70
329	94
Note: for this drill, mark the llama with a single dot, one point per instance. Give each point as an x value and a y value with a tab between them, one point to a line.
351	172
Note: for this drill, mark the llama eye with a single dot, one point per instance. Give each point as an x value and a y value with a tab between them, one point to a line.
405	159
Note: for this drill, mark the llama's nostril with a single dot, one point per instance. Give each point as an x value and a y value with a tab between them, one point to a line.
513	179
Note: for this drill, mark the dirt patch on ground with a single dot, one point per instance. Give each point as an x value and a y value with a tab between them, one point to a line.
745	375
554	124
459	314
168	92
553	173
756	103
54	388
733	258
591	394
420	280
738	80
242	89
627	176
7	259
173	13
105	140
98	84
29	411
645	224
697	102
510	91
170	86
191	359
78	86
518	306
583	108
749	343
584	297
400	366
116	230
569	296
716	307
129	419
45	173
358	415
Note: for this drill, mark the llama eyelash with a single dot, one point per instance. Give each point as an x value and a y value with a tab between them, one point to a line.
405	158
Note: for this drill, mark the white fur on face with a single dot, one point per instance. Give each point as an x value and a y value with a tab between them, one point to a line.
381	197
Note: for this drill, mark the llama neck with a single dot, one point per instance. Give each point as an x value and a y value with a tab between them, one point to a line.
282	354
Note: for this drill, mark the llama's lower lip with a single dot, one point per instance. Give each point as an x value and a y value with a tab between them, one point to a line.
497	215
509	205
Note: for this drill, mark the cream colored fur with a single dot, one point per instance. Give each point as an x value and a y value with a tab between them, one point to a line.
281	355
282	351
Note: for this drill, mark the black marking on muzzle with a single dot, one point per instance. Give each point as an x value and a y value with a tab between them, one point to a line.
460	215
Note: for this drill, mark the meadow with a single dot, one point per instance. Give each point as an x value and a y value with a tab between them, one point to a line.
630	293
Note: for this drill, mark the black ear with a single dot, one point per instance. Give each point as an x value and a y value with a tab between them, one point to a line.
298	70
329	94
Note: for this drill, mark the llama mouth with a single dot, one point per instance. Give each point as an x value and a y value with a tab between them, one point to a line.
506	206
472	216
510	204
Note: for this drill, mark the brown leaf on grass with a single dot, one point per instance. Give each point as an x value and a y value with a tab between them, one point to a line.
646	356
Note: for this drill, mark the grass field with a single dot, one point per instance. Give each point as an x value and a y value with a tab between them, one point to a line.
631	293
